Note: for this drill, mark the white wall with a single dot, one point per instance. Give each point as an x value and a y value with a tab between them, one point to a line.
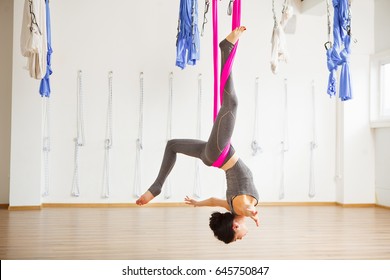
382	23
6	22
359	160
133	36
25	166
382	135
382	160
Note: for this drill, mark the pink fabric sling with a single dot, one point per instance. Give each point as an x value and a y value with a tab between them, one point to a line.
236	21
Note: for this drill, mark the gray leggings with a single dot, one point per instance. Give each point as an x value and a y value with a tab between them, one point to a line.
220	135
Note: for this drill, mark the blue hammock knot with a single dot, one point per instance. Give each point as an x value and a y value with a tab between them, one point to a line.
344	57
188	42
333	59
339	53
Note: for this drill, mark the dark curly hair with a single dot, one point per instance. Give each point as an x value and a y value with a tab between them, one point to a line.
222	226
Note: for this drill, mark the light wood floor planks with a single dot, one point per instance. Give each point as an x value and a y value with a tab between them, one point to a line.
286	232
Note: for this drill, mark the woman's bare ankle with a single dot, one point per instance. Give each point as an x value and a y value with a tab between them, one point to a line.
235	34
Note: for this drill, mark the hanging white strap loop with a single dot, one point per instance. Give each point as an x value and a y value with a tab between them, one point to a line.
255	145
168	187
313	144
284	142
108	141
139	146
79	140
170	102
197	186
285	117
46	144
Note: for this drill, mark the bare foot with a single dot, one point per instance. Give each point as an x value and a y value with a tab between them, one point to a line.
145	198
235	34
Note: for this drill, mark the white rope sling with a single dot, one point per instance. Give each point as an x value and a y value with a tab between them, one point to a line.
255	145
46	143
137	173
197	185
108	141
167	184
79	140
284	142
313	143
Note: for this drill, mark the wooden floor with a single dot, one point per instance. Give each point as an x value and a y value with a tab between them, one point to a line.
286	232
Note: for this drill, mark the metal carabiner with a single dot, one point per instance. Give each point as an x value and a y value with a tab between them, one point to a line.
230	8
349	30
328	45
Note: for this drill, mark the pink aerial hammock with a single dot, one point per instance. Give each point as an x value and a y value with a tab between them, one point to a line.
218	90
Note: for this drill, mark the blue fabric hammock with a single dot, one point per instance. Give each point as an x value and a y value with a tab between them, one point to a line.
188	42
336	56
44	88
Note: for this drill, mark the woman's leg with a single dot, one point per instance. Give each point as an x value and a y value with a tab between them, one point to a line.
189	147
223	127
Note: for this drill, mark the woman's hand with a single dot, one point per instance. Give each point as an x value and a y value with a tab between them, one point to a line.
253	214
256	219
191	201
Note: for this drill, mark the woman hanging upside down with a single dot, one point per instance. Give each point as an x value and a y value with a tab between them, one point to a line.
241	194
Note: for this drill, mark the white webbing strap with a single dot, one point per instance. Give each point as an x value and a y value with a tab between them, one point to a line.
167	184
108	141
313	144
255	145
329	22
79	140
206	9
46	143
197	186
274	15
284	142
137	173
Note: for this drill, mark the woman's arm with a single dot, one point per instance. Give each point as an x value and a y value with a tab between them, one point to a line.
212	201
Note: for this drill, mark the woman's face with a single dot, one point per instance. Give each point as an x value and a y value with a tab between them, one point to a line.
239	227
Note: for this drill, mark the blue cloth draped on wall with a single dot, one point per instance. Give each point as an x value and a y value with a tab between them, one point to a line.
188	42
336	56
